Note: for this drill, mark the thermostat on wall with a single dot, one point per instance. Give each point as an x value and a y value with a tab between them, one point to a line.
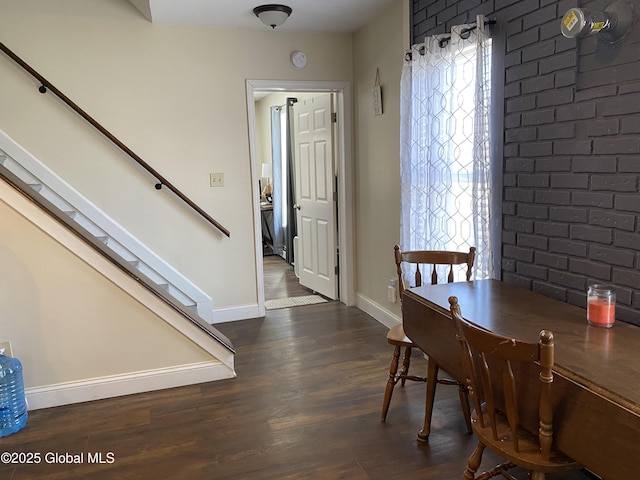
298	59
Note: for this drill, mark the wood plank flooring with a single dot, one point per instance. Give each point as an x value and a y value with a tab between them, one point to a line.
280	281
305	405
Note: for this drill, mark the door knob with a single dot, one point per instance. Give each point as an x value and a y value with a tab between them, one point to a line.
297	206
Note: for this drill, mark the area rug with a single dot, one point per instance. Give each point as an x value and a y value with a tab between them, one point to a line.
293	302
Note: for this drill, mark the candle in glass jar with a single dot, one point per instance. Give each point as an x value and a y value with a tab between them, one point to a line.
601	312
601	306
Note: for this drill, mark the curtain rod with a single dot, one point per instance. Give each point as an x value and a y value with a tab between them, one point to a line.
464	33
290	102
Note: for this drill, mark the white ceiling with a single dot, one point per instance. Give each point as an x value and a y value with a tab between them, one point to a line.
307	16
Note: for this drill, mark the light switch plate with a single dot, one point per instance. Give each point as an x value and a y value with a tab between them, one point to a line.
216	179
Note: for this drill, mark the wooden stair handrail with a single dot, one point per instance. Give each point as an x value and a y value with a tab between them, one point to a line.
45	84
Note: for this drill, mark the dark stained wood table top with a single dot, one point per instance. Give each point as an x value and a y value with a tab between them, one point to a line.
606	361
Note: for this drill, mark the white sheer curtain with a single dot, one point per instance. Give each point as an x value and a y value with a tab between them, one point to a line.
445	164
279	185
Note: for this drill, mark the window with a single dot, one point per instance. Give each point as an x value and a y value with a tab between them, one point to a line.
445	146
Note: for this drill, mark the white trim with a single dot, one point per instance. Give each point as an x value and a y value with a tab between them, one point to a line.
345	178
232	314
255	199
365	304
378	312
125	384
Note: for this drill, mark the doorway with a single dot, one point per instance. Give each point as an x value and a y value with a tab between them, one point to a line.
342	91
280	281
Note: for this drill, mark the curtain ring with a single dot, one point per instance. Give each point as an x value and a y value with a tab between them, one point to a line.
443	42
466	32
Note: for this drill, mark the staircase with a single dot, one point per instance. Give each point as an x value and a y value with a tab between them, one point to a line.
47	189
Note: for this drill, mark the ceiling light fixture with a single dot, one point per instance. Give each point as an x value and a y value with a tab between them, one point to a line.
272	15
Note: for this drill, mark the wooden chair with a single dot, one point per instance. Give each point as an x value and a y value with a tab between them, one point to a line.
397	337
497	369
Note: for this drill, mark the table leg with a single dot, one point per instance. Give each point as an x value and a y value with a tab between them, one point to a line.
432	381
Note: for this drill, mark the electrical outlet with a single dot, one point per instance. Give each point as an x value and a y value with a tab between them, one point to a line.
392	295
216	179
6	346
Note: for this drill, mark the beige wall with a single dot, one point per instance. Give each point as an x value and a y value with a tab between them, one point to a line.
176	96
380	46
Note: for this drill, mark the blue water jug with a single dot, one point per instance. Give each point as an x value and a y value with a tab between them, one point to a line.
13	404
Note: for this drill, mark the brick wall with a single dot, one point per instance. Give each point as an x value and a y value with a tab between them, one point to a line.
571	167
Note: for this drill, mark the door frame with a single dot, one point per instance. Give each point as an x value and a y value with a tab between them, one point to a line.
344	170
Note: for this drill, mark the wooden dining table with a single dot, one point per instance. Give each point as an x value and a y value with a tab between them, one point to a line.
596	388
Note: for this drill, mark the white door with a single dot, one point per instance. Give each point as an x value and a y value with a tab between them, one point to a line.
317	253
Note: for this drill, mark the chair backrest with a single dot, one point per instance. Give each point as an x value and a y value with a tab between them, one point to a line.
432	258
494	366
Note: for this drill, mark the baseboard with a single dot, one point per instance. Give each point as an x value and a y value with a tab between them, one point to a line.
243	312
381	314
127	384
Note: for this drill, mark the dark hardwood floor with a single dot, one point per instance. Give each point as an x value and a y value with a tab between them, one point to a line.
280	281
305	405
